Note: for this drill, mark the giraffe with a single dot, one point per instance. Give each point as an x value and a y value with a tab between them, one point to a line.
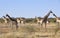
46	18
12	19
39	21
5	19
18	20
57	19
22	21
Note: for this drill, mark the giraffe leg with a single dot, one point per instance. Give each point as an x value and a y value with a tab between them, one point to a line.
58	25
45	27
42	25
16	27
11	24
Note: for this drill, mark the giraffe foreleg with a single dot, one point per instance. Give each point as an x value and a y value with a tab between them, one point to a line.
45	25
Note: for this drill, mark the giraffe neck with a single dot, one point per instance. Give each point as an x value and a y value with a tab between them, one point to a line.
10	18
46	17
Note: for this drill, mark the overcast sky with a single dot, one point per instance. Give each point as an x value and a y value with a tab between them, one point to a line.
29	8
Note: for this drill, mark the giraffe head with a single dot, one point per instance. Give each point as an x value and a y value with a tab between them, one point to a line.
50	11
7	15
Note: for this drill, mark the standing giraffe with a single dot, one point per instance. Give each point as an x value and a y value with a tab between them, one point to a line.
46	18
39	21
12	19
22	20
5	19
18	20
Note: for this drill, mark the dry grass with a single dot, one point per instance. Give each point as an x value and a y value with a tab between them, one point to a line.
31	31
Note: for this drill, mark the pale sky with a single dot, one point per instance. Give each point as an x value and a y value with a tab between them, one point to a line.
29	8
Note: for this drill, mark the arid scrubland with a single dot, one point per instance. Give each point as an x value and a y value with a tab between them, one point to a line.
30	31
